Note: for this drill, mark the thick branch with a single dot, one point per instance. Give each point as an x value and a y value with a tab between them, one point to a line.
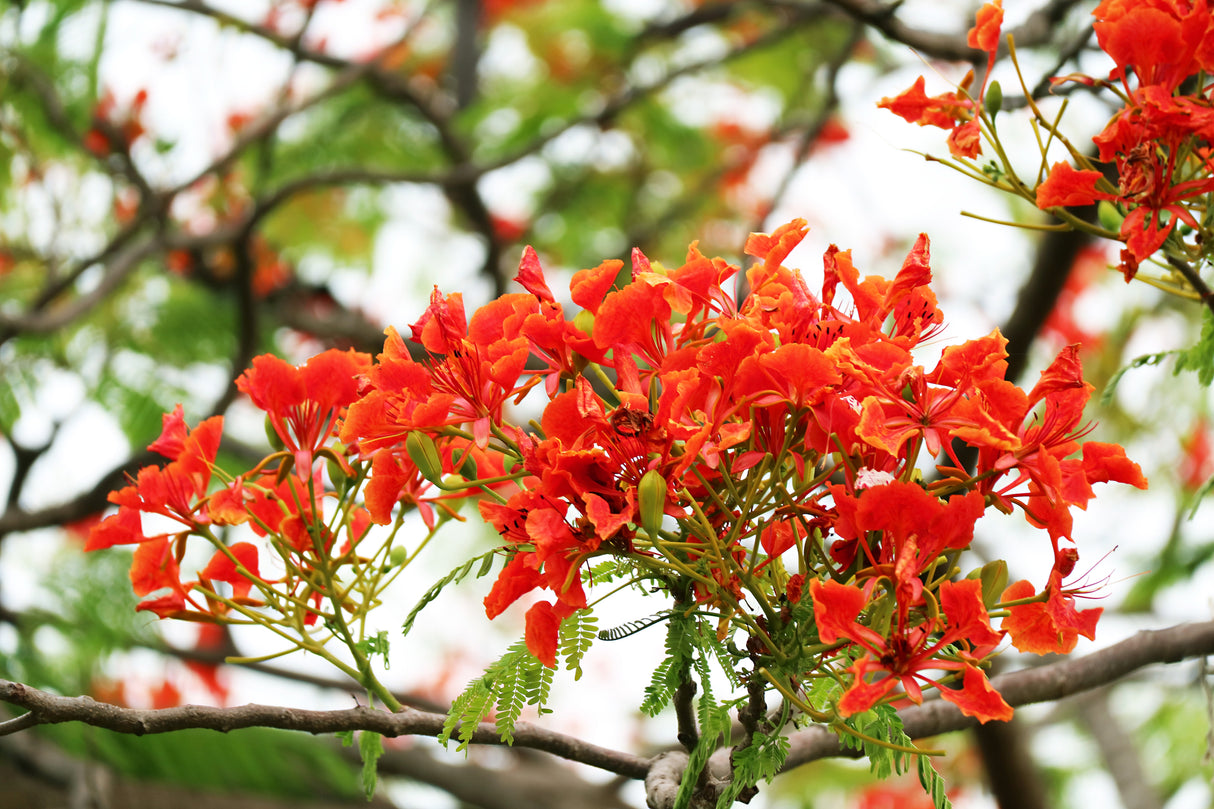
51	709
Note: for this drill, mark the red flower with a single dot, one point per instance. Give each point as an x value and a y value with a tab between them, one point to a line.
1067	187
911	406
223	567
175	491
985	34
1052	626
542	631
480	364
1164	42
966	140
1046	440
304	404
954	111
154	567
911	649
401	397
556	342
914	106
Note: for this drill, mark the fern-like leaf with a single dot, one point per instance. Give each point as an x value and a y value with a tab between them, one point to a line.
633	627
577	635
680	638
511	683
455	576
467	712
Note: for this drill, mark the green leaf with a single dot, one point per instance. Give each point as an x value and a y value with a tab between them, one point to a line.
455	576
517	679
1106	397
715	726
1200	358
577	634
674	667
467	711
758	761
377	644
370	747
933	784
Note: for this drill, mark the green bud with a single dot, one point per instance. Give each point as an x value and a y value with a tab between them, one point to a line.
398	556
993	576
651	501
881	614
467	467
993	101
273	437
1110	218
337	475
584	321
424	454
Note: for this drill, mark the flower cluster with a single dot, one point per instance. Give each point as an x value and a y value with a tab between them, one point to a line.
281	498
957	111
781	463
1159	140
1153	157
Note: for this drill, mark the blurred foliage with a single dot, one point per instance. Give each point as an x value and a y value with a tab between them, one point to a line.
250	760
94	616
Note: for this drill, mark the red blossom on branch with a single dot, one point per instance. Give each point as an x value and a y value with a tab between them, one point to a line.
739	453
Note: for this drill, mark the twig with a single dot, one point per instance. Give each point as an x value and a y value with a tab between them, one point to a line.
1195	280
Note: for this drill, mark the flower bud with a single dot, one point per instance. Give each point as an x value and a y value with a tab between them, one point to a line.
583	321
424	454
993	101
467	467
651	501
398	556
1110	218
337	475
276	442
993	576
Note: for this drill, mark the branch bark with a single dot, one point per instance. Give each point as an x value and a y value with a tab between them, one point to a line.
51	709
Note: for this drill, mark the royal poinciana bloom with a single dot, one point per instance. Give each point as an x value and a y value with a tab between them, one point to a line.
1156	147
281	498
1159	140
957	111
782	463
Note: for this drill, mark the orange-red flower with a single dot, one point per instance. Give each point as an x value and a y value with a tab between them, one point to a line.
985	34
1052	626
304	404
911	650
175	491
1162	41
1068	187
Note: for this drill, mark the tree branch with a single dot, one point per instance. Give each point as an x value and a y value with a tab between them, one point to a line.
50	709
1039	29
